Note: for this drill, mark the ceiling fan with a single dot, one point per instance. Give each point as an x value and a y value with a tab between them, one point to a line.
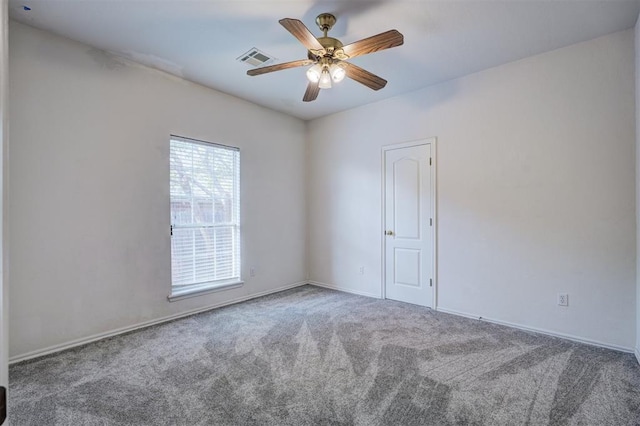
328	56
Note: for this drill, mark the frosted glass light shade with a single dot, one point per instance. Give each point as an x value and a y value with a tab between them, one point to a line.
314	73
337	73
325	79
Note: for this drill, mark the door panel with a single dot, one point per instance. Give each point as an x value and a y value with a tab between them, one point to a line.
407	267
409	235
406	198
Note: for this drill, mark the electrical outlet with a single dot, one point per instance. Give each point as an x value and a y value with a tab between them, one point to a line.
563	299
362	270
252	272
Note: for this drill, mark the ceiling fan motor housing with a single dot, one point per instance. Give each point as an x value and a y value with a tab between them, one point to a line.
330	44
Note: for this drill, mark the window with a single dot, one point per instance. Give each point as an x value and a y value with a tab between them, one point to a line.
205	217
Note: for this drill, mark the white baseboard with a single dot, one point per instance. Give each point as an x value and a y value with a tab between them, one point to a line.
345	290
637	353
84	340
541	331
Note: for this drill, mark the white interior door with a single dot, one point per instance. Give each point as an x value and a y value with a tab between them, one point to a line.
408	225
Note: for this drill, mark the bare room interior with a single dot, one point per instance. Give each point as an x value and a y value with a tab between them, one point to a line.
383	212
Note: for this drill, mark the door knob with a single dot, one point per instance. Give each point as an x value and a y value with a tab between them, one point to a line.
388	233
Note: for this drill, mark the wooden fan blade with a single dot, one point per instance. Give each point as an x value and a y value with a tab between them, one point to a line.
302	33
312	92
278	67
364	77
386	40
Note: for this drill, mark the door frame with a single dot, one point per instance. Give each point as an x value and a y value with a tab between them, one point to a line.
434	202
4	205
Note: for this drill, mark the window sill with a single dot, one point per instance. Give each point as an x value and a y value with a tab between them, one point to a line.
200	289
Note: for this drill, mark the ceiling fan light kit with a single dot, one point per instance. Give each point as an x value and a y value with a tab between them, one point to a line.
328	56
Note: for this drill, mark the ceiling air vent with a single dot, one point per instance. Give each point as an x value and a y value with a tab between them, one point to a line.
256	58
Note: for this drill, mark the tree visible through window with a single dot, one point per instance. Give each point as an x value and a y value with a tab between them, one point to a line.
205	217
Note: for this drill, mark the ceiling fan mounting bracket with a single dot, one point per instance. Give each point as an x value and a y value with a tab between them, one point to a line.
325	22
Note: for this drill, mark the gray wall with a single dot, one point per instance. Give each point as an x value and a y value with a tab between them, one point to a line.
89	188
637	194
535	190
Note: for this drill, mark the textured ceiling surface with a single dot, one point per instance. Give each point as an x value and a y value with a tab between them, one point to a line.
202	40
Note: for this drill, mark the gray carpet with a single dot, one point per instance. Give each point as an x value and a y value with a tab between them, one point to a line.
311	356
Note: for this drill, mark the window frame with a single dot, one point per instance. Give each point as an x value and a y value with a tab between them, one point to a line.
178	292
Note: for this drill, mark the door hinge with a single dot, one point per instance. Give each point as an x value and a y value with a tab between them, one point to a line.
430	221
430	282
172	230
429	160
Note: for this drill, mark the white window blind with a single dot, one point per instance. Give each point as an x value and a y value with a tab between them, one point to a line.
205	213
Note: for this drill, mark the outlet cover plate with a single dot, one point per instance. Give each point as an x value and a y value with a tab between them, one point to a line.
563	299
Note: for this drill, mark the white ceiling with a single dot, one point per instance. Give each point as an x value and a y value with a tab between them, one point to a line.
201	40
